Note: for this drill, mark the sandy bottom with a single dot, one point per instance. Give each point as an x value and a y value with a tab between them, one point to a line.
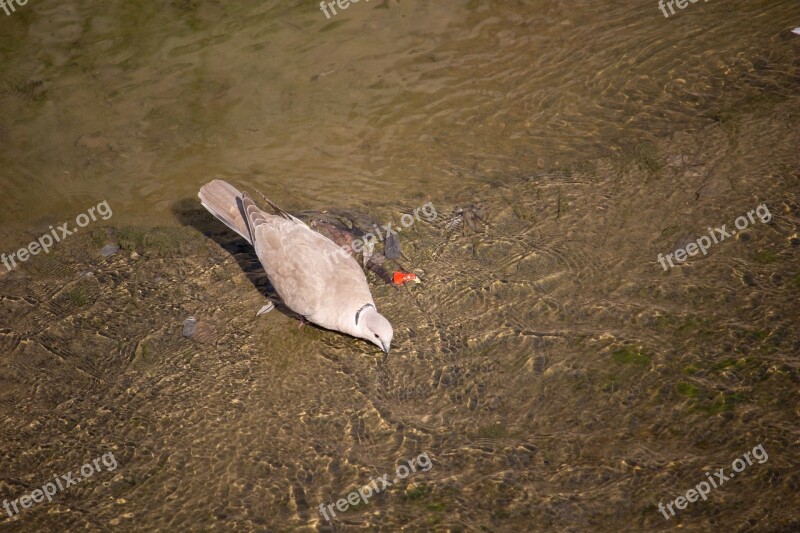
555	374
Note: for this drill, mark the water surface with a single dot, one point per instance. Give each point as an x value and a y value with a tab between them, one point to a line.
556	375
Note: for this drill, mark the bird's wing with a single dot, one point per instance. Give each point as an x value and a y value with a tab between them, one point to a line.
303	267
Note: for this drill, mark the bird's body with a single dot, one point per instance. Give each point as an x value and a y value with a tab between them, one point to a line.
311	274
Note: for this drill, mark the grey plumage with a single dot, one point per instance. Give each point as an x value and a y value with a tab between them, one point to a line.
311	274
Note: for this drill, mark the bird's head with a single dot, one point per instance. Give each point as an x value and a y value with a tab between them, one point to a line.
372	326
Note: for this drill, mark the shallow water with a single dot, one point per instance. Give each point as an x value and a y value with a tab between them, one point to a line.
556	376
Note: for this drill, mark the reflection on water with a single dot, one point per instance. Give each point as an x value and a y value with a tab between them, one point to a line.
556	375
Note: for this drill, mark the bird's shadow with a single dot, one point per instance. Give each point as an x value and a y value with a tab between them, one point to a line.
190	212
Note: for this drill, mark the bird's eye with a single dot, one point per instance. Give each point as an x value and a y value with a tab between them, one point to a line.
376	336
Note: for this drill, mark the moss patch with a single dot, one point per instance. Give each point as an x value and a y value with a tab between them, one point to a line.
690	370
495	431
159	241
630	356
77	297
766	256
687	389
722	403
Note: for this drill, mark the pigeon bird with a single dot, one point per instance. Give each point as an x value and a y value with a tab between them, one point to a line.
313	276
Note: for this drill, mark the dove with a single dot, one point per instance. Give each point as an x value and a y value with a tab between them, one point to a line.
332	293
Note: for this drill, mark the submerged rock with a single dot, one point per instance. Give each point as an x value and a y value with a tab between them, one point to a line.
189	326
199	330
109	249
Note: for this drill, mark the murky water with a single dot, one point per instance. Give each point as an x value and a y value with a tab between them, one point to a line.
557	377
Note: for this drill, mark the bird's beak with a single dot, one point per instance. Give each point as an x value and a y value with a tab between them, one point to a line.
385	348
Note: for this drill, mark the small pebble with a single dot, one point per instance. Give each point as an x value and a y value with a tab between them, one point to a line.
199	330
676	160
391	248
189	326
109	250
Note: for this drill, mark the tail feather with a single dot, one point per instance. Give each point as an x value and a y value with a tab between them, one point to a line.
223	200
278	211
253	215
236	209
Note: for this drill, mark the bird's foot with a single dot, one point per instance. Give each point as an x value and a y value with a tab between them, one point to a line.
302	322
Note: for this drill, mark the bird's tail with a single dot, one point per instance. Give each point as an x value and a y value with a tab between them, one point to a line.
223	200
278	211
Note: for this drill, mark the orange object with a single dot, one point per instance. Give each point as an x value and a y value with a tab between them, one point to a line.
404	277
